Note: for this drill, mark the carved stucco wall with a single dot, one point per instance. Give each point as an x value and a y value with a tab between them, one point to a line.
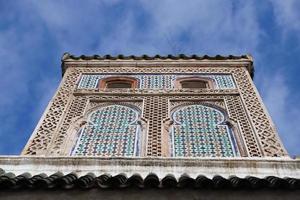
244	107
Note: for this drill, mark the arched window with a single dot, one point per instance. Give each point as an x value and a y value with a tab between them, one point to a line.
200	131
110	131
118	82
193	83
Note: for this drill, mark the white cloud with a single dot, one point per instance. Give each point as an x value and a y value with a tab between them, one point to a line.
287	14
214	27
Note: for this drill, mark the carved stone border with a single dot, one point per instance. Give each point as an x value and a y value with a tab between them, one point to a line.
52	118
261	121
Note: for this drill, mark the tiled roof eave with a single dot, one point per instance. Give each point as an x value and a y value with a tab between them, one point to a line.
181	57
156	57
104	181
96	172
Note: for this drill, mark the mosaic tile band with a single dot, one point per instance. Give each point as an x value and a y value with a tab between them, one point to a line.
198	132
91	81
111	131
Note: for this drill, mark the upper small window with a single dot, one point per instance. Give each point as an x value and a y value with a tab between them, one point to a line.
194	84
118	82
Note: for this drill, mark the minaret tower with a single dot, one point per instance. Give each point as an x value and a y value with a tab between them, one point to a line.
161	127
183	107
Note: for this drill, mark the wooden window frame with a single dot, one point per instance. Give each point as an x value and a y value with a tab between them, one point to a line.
132	81
209	82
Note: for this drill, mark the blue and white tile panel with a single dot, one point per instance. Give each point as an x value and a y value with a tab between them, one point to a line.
221	81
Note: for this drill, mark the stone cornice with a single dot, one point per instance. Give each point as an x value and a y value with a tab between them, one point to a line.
209	167
171	92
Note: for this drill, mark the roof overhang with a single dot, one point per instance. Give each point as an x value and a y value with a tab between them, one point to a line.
69	60
123	172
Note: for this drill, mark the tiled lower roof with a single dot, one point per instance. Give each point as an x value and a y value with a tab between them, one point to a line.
69	181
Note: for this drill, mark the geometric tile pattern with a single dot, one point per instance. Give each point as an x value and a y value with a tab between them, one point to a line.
158	81
223	81
155	110
49	122
110	131
198	132
237	112
89	81
264	127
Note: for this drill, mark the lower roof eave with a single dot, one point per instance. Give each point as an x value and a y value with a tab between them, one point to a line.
193	167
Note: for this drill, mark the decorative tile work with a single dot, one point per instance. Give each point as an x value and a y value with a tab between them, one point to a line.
152	106
94	104
155	110
237	112
198	132
45	132
260	139
175	103
90	81
222	81
156	81
264	127
76	108
111	131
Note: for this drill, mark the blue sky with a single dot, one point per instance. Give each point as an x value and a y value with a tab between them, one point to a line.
34	35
